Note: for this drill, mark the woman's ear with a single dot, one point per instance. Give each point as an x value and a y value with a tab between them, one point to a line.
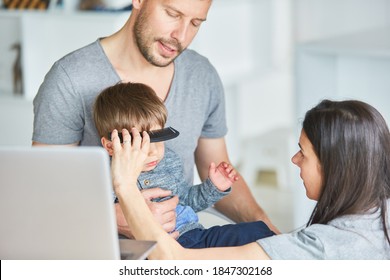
107	144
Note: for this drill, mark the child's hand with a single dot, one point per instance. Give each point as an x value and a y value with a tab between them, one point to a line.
223	175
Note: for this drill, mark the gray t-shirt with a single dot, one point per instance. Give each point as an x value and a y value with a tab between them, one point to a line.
349	237
63	105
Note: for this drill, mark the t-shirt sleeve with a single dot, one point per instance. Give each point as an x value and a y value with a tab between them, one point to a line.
58	110
300	245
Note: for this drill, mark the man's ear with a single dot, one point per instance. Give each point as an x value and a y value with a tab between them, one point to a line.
107	144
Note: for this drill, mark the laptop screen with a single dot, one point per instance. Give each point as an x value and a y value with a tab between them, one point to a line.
56	203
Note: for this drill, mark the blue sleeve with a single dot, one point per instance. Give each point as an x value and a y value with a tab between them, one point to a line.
202	196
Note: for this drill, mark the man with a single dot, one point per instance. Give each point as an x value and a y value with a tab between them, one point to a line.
151	48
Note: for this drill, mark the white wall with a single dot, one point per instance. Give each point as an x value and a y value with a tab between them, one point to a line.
16	121
319	19
252	54
337	63
9	29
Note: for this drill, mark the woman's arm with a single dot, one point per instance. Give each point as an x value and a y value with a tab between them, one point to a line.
126	165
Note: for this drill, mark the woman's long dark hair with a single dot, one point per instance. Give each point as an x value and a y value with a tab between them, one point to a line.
352	142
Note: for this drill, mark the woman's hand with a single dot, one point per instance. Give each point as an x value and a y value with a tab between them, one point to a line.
128	158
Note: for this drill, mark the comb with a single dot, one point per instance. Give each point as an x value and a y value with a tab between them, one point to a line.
158	135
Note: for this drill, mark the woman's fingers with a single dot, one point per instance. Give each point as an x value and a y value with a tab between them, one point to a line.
126	137
116	144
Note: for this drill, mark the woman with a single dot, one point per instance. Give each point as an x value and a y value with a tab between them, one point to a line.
344	159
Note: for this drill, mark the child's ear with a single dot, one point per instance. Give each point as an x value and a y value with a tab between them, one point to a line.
107	144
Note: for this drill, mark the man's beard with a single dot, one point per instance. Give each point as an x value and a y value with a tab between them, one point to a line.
145	47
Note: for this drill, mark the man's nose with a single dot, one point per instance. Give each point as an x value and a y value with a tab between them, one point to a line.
181	32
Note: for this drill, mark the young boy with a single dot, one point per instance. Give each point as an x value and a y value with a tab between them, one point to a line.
127	105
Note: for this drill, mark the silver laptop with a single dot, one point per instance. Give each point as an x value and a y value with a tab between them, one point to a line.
56	203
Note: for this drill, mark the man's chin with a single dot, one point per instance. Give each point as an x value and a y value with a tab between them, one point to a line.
163	63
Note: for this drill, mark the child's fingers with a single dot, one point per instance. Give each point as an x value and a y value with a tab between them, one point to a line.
231	172
229	168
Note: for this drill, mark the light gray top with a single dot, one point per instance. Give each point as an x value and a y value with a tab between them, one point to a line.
63	105
348	237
